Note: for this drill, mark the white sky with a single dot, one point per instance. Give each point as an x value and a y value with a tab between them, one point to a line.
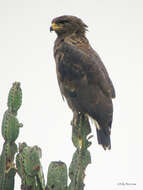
26	55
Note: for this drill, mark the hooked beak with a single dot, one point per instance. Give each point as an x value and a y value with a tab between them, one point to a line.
54	27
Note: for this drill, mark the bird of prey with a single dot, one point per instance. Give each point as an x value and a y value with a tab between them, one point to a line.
82	77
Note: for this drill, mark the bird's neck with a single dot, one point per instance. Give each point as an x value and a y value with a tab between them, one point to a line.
73	39
79	41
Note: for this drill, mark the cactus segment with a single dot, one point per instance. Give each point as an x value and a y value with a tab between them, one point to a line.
9	149
29	167
10	127
7	166
14	98
31	160
80	130
81	158
57	176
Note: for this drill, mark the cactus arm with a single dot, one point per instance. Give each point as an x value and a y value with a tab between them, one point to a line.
10	127
29	167
14	98
81	158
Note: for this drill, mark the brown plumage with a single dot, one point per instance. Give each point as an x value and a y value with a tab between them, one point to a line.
82	77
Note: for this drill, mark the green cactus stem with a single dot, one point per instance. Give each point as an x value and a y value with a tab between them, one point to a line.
7	166
10	127
81	158
14	98
29	167
57	176
10	132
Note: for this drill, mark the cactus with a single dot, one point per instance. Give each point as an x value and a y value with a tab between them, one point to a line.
14	98
29	167
27	162
57	176
81	158
10	127
10	132
7	169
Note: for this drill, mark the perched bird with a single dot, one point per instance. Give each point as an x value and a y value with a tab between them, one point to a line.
82	77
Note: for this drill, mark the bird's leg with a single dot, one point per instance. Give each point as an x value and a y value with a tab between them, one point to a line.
75	118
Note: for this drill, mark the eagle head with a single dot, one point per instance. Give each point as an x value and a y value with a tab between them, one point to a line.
67	25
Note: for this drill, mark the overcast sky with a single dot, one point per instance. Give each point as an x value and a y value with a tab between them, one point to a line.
26	55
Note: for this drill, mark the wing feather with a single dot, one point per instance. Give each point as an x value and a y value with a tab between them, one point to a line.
75	63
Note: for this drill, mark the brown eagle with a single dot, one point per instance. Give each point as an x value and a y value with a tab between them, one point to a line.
82	77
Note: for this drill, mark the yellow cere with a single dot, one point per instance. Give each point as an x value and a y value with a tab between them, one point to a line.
55	26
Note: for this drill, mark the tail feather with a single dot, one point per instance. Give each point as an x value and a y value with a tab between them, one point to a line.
103	138
103	133
102	115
